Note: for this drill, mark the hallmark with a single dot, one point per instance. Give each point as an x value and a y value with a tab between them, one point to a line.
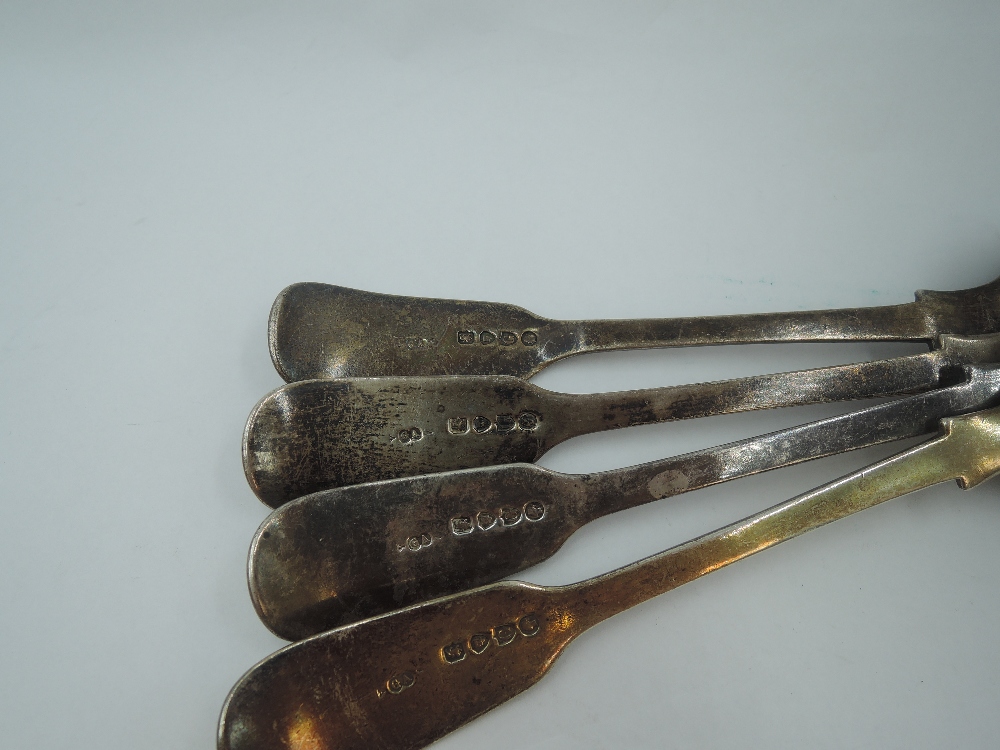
502	635
508	515
501	424
488	338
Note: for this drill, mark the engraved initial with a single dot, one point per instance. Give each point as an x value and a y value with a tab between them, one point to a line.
412	435
415	543
399	683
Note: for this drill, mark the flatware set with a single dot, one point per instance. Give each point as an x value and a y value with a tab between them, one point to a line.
404	679
399	464
342	555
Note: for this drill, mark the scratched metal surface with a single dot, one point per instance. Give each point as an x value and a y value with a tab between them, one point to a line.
416	538
316	435
327	331
169	168
402	680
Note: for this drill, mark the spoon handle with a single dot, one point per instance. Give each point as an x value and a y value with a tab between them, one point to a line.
966	311
594	412
968	449
323	331
620	489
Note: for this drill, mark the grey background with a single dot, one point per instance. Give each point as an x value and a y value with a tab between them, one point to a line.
166	168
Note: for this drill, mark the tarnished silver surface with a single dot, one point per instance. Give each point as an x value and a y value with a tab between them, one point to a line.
324	331
337	556
320	434
403	680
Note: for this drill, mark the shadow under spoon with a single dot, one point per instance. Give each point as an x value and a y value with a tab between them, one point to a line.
324	331
341	555
319	434
403	680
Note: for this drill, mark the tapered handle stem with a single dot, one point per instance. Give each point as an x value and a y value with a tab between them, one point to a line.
890	323
967	450
580	414
612	491
967	311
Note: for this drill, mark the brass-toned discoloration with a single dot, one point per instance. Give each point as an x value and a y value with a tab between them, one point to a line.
319	434
323	331
336	679
337	556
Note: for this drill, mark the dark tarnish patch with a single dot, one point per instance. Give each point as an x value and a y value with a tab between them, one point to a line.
635	412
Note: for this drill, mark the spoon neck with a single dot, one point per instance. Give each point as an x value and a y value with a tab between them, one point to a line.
595	412
930	463
619	489
906	322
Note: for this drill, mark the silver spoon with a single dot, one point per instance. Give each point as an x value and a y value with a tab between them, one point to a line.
319	434
405	679
323	331
338	556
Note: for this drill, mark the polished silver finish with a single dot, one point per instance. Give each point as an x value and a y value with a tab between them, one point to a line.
338	556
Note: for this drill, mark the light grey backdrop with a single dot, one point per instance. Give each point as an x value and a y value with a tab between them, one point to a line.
166	168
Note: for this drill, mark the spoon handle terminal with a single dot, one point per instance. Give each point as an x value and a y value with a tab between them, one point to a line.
405	679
